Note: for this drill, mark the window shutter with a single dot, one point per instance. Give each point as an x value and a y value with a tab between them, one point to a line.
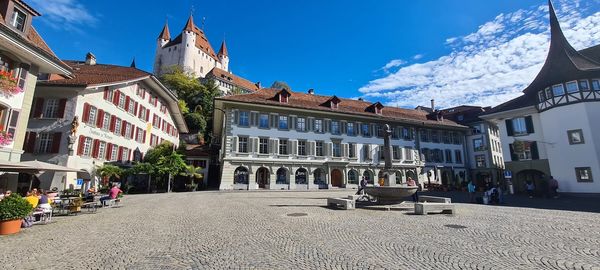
345	150
116	95
312	148
529	124
273	120
509	127
289	147
106	93
100	118
294	147
326	125
144	138
95	148
327	151
236	117
252	119
39	108
234	144
343	127
30	142
250	145
62	103
358	129
112	123
292	124
535	155
80	145
120	153
109	148
255	150
135	108
513	156
86	113
123	127
56	140
147	115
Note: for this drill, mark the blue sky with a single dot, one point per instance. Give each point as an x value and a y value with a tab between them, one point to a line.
400	52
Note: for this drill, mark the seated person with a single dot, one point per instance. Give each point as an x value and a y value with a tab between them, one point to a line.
112	194
44	202
32	199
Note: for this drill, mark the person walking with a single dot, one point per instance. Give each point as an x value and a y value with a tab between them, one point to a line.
471	188
553	186
411	183
363	184
530	188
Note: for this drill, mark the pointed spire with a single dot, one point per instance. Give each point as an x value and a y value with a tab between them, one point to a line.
189	25
223	49
164	34
132	63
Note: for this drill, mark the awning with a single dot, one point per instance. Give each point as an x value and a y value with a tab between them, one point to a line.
44	166
7	166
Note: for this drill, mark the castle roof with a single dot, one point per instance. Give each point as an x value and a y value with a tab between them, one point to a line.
189	25
297	100
563	63
223	75
223	49
201	40
164	34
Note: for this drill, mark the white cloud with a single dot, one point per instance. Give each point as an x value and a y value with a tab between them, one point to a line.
392	64
417	56
64	14
491	65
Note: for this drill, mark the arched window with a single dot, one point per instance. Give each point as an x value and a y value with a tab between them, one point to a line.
240	175
281	176
353	177
301	175
368	175
399	177
319	177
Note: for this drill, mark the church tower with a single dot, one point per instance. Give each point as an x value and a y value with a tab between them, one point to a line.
224	56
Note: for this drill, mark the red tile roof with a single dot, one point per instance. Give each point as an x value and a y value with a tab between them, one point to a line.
164	34
223	75
346	106
201	40
85	75
223	49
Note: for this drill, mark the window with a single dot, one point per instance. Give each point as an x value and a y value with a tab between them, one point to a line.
584	174
140	135
424	135
558	90
51	109
142	113
596	85
522	149
455	138
541	95
122	101
18	19
125	154
584	85
302	148
458	156
335	127
353	177
117	126
460	117
408	154
318	125
337	149
301	176
301	124
106	121
448	156
366	130
350	129
127	130
283	122
478	144
131	108
263	145
519	126
575	136
351	150
87	147
406	133
281	176
113	152
319	148
45	143
283	146
379	131
396	153
435	136
480	161
446	137
101	150
92	115
572	87
264	121
243	145
243	120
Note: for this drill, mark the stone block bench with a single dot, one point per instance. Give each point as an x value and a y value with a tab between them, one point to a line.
343	203
433	199
424	208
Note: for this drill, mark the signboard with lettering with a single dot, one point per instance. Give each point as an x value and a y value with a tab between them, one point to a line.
507	174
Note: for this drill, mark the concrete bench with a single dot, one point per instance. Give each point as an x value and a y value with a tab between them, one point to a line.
433	199
424	208
345	204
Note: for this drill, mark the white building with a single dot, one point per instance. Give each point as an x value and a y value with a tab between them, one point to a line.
23	55
105	113
275	139
550	129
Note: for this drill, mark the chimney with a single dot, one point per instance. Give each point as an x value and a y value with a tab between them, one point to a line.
432	105
90	59
360	99
257	85
311	91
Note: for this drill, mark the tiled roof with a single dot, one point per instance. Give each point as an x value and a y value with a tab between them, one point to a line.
522	101
201	40
223	49
85	75
164	34
197	150
223	75
346	106
469	113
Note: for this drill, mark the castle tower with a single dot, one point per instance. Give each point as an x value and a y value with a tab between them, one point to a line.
163	38
189	50
223	56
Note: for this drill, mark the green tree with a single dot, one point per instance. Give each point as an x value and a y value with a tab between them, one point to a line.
184	84
109	171
194	174
183	106
281	85
144	168
211	90
172	164
195	122
154	154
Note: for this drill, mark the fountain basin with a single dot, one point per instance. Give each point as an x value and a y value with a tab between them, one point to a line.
392	194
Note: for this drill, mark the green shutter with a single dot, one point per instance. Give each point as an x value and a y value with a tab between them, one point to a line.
529	124
535	155
509	127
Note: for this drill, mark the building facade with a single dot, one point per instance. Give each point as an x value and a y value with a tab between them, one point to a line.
23	55
231	84
550	130
276	139
484	150
105	113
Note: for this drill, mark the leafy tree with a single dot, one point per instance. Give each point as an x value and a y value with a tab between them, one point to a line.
172	164
144	168
109	171
195	122
237	91
185	85
183	106
281	85
154	154
211	90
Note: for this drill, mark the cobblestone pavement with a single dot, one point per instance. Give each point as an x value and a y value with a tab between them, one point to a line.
252	230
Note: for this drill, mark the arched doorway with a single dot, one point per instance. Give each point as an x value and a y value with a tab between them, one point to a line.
446	178
319	178
399	176
301	177
368	175
282	176
412	175
262	177
240	176
382	177
534	176
337	178
353	177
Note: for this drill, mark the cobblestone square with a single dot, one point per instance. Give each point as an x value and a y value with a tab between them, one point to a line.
253	230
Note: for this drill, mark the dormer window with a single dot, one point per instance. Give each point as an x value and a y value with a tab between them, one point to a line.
376	108
283	96
332	103
18	19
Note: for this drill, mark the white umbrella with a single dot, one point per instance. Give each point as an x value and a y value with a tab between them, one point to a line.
45	166
8	166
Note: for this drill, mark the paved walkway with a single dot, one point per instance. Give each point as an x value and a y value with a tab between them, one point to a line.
252	230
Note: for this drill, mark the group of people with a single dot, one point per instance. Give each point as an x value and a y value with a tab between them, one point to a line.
552	188
493	193
38	198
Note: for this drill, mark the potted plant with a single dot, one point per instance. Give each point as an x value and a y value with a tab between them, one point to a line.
12	211
76	205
